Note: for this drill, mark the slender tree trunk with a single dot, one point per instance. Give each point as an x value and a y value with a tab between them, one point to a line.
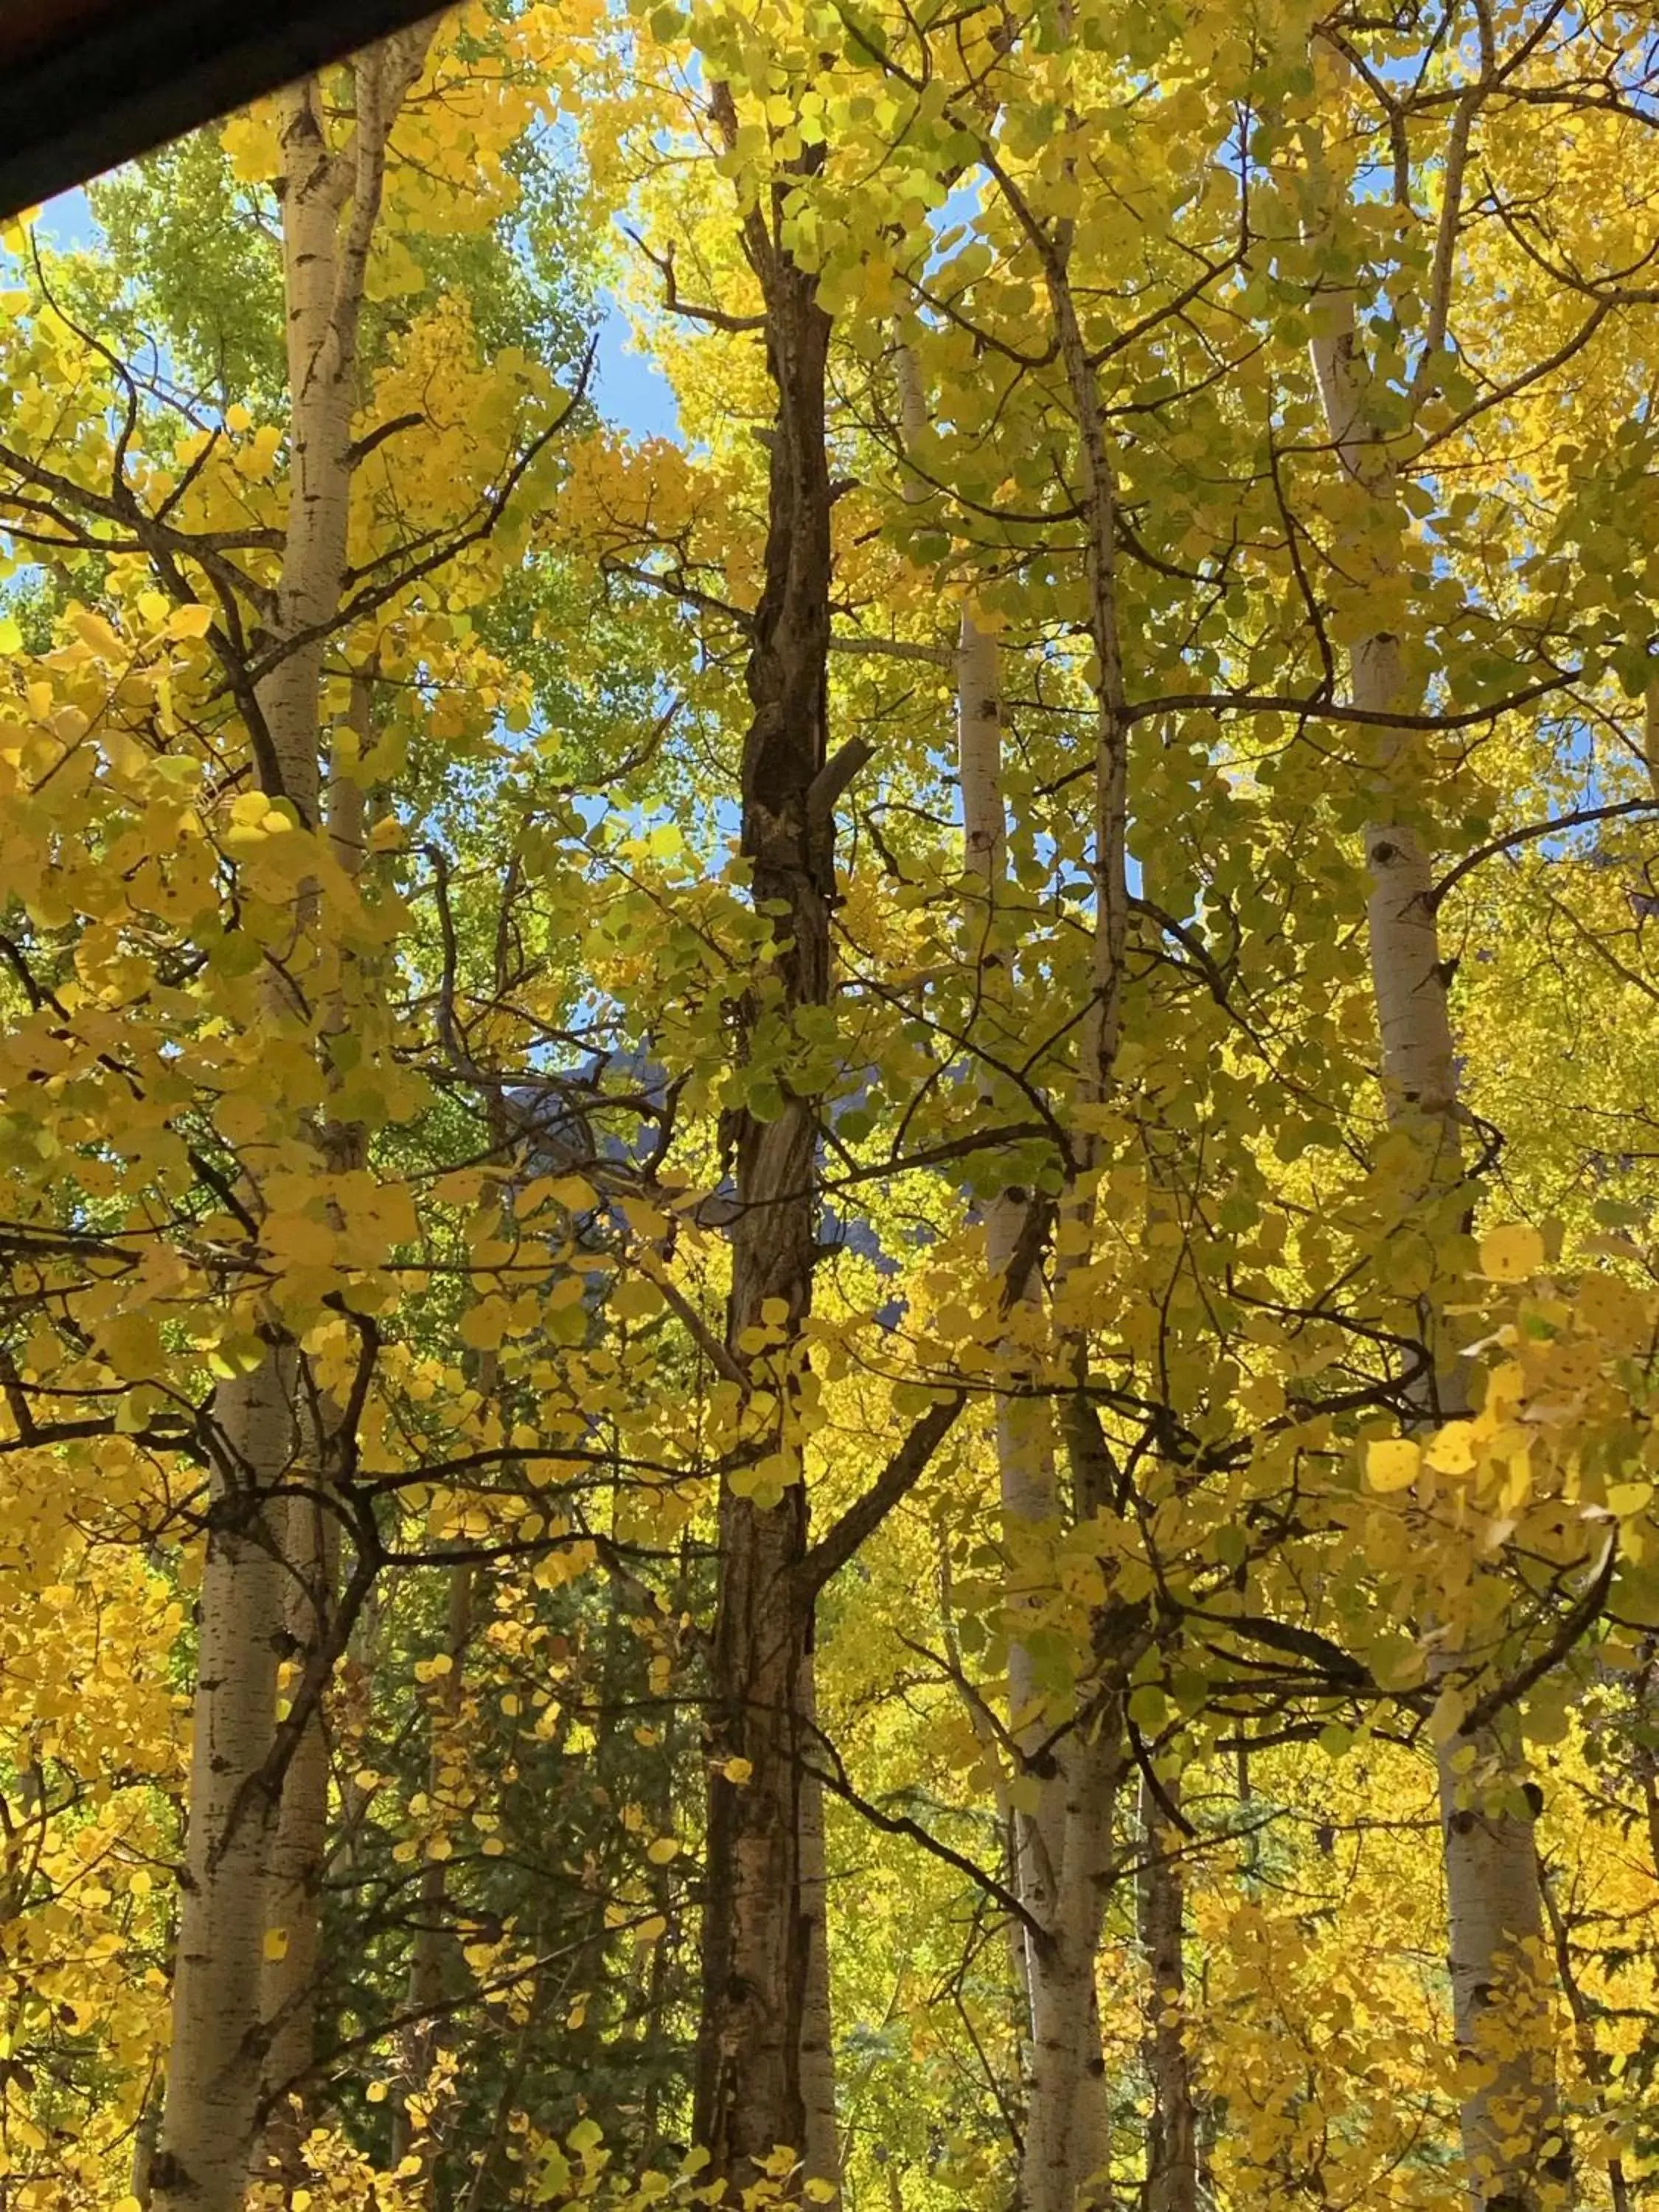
216	2063
1028	1490
1066	2142
299	1845
1067	2110
752	2095
1062	1846
1172	2141
1027	1487
821	2142
1509	2119
330	205
311	1558
246	1865
331	201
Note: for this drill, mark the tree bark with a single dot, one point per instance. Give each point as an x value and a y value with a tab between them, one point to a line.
1064	2151
1063	1845
821	2143
1066	2142
311	1559
1028	1491
298	1844
242	2020
331	201
1510	2123
1172	2137
215	2064
759	1908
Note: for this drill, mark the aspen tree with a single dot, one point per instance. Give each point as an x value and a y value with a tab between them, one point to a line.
1070	1845
1066	2068
1510	2138
239	2028
310	1557
1172	2152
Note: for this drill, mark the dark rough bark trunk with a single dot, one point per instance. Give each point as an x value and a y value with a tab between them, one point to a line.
756	1942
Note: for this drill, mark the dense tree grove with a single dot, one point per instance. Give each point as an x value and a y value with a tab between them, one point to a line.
830	1331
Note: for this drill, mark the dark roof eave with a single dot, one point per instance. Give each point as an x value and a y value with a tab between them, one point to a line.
85	84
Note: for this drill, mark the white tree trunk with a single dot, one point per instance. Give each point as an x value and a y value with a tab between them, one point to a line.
1027	1490
331	201
239	1884
215	2065
1067	2141
1172	2137
1495	1913
1062	1844
299	1841
311	1559
1067	2138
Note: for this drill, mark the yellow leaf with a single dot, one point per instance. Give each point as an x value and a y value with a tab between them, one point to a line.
192	621
251	141
1613	1312
376	2093
485	1325
1625	1499
1392	1463
1452	1450
739	1771
276	1943
660	1852
1511	1254
1448	1716
571	1193
295	1240
645	1220
131	1344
